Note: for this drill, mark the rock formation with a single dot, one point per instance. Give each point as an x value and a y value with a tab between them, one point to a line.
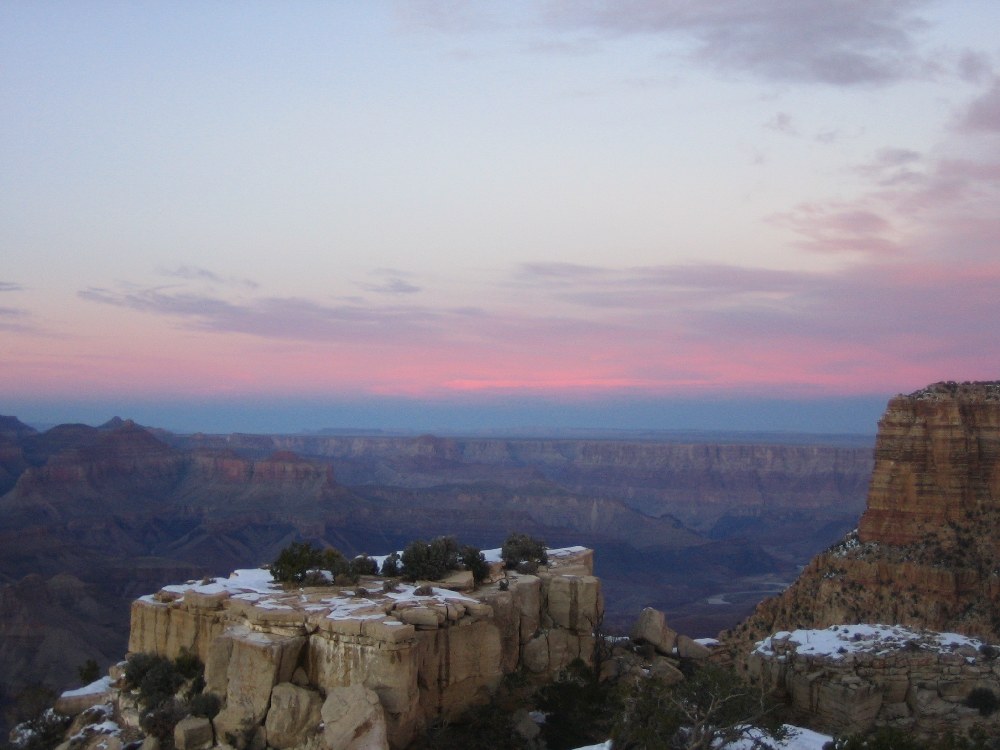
926	552
126	509
391	660
845	679
926	555
705	485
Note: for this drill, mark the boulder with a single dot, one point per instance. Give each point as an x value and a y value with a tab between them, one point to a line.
564	647
691	649
73	702
666	671
353	719
651	627
563	605
421	617
459	580
458	666
293	717
193	733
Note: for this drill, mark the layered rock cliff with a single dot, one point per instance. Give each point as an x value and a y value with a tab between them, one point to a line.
426	653
125	509
925	555
926	552
701	484
844	679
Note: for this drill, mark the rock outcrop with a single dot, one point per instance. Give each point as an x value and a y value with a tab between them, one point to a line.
387	661
845	679
925	555
926	552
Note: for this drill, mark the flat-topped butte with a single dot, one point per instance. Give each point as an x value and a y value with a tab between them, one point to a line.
422	656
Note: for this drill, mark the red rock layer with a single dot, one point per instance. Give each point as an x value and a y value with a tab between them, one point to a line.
937	463
926	552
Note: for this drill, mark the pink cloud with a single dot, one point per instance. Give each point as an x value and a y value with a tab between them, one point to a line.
912	300
882	320
840	228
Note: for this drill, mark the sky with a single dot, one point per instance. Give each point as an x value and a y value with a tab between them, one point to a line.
266	216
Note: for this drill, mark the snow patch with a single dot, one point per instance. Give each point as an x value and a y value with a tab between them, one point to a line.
838	641
97	686
796	738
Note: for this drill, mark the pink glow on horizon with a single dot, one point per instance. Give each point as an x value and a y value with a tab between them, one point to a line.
664	215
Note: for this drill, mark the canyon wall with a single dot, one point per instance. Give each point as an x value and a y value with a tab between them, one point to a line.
124	509
427	653
697	483
926	552
925	555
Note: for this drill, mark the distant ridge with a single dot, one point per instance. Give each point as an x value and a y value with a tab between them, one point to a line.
12	427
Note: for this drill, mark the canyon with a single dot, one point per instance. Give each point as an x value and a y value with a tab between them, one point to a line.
92	517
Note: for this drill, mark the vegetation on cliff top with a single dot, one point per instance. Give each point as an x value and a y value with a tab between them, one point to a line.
302	563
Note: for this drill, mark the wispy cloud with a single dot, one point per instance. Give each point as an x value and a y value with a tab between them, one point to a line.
844	44
195	273
392	286
393	282
782	123
15	320
274	317
892	166
974	67
984	113
843	228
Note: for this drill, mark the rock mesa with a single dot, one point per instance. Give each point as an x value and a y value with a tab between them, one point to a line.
283	661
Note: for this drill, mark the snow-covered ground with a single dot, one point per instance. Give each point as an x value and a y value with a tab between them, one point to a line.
796	738
259	580
838	641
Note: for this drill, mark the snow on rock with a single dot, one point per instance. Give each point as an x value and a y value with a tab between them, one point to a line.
246	581
796	738
838	641
97	686
73	702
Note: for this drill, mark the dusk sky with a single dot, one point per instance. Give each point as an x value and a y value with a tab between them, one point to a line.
446	215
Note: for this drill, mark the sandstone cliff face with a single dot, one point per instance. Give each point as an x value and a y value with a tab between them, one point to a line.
926	552
697	483
926	555
424	656
845	679
937	473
